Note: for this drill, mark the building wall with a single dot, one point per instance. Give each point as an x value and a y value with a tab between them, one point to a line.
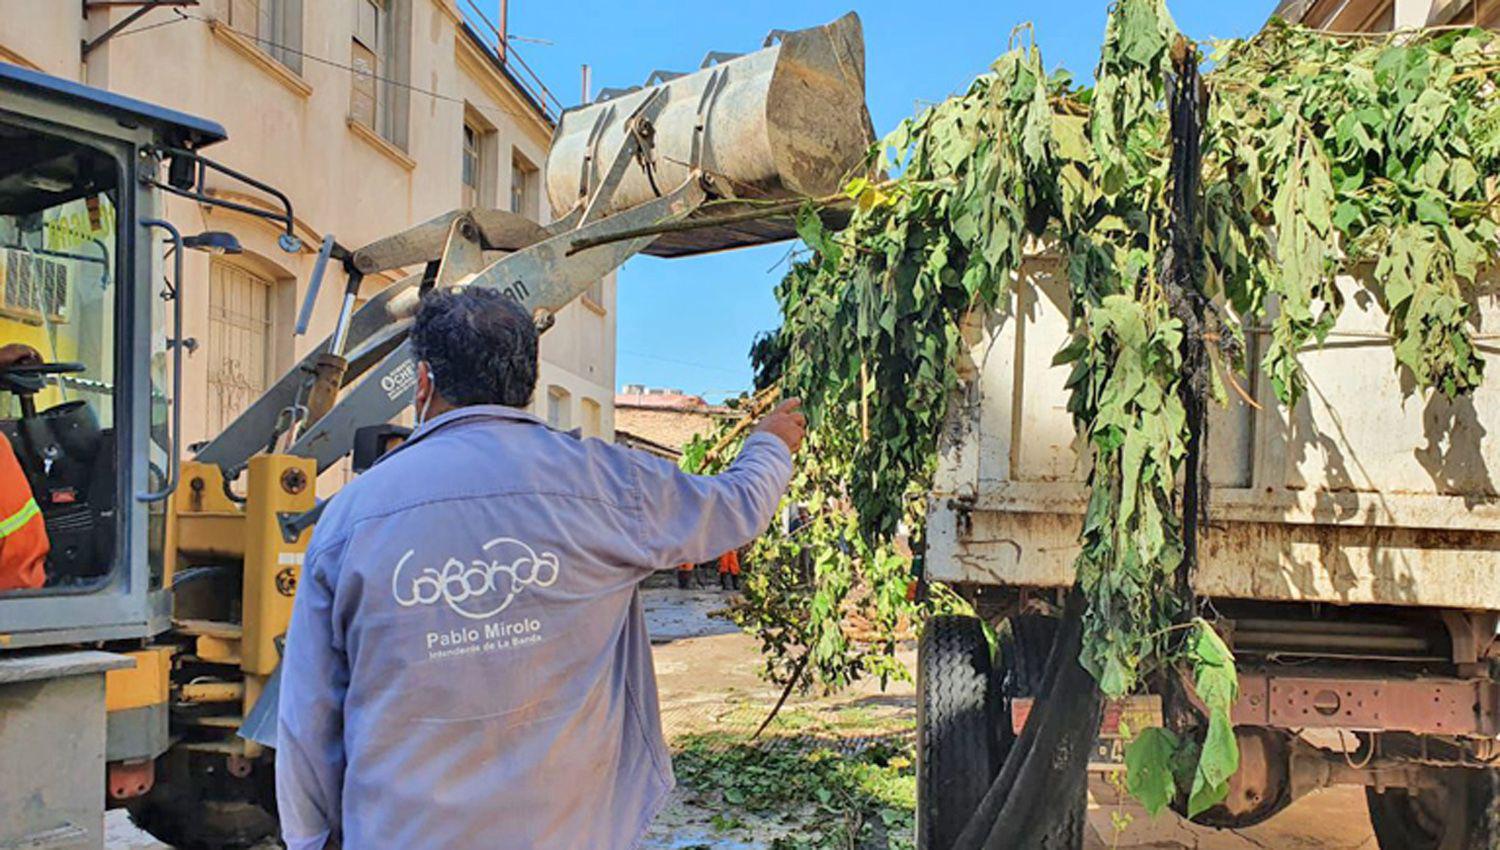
671	428
292	129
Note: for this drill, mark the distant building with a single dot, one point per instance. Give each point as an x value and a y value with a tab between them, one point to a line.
1387	15
664	417
629	440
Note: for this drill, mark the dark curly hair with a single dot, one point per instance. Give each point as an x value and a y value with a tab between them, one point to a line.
480	344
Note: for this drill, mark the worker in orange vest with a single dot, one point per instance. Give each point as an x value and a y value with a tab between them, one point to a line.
729	570
684	575
23	537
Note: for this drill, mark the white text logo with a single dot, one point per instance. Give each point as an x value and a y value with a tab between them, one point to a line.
400	381
479	588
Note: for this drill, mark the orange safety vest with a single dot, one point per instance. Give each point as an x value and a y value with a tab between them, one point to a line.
23	536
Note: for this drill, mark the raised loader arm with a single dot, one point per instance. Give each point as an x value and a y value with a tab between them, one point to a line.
543	278
783	122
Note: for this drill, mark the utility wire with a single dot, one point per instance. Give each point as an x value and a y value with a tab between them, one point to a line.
678	362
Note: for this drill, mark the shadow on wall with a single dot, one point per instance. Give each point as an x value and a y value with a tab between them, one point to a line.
1366	562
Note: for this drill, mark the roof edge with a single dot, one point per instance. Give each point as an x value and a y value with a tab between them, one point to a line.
504	71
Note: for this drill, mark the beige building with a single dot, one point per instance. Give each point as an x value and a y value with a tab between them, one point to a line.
371	115
1386	15
665	418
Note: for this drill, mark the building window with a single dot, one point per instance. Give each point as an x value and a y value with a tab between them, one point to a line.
471	166
378	92
238	348
275	25
559	415
593	418
478	170
525	183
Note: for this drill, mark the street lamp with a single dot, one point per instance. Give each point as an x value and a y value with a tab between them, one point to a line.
213	242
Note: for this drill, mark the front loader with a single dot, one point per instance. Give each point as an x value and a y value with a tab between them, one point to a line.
144	671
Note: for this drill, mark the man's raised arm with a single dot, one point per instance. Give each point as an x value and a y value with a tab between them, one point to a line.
691	518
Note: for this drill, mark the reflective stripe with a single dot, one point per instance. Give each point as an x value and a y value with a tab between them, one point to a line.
11	524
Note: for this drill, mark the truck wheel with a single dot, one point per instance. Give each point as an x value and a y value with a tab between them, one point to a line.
1459	814
196	805
956	728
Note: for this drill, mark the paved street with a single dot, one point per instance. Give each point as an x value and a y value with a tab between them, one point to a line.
707	673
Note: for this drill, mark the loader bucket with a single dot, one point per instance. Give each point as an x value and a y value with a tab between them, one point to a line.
783	122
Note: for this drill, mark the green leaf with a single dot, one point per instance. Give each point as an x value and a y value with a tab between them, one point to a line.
1214	676
1431	211
1462	176
1345	215
1218	761
1037	130
1068	131
1318	200
1148	768
1132	454
810	229
1141	38
1426	114
1116	679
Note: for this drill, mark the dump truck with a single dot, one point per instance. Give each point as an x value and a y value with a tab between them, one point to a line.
143	674
1350	559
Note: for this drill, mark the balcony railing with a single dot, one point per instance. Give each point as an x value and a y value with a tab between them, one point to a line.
514	66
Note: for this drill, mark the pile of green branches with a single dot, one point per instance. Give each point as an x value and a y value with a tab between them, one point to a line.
1319	153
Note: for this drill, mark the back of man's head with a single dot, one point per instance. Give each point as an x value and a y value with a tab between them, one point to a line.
480	345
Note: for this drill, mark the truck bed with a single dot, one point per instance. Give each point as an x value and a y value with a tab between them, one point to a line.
1366	492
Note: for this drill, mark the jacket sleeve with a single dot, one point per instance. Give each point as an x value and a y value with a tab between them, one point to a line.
310	733
692	518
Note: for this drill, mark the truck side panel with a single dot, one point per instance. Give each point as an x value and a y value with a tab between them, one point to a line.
1367	491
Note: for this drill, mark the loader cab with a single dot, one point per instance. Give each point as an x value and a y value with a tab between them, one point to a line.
57	247
85	282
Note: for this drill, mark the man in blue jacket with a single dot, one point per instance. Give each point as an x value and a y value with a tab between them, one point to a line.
467	664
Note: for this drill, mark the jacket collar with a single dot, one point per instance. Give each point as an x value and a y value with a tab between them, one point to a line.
471	412
476	411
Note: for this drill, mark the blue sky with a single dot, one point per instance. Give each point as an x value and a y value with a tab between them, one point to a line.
688	323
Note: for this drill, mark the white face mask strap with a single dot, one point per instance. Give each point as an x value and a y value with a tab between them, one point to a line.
431	393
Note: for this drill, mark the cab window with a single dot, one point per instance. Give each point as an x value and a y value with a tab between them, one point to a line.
58	267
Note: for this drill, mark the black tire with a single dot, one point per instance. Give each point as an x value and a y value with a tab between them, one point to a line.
1460	814
956	726
206	824
196	805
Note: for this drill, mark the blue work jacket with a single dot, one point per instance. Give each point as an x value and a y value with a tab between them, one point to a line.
467	665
